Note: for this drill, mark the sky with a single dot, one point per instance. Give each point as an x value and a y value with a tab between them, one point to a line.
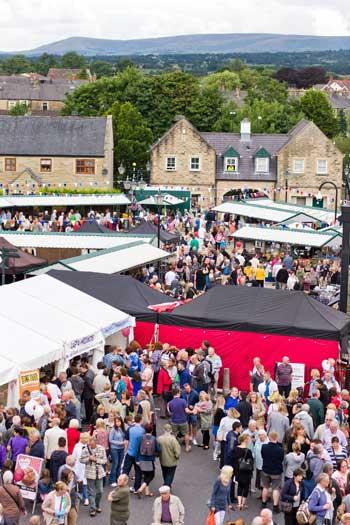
26	24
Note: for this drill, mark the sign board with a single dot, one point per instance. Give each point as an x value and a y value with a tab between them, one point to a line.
29	380
298	376
27	475
84	344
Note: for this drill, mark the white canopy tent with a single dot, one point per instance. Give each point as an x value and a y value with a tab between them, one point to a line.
264	214
42	201
320	214
167	200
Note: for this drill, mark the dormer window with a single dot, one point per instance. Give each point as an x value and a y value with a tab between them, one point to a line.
231	160
262	161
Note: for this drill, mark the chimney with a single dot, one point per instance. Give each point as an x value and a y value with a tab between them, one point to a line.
245	130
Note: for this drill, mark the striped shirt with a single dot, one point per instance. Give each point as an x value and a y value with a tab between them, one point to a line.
337	455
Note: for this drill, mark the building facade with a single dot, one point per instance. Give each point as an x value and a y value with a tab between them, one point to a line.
210	165
72	152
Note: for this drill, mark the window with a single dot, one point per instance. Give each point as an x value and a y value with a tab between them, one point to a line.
298	165
322	167
194	166
10	164
171	163
45	165
12	103
301	201
262	164
45	106
85	166
231	164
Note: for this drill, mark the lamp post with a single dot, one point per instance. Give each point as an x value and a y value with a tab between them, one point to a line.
346	181
131	184
336	196
344	219
286	175
158	197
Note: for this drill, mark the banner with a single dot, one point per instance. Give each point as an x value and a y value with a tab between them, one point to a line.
29	380
27	475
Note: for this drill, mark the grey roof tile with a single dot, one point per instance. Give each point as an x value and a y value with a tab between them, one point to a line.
22	88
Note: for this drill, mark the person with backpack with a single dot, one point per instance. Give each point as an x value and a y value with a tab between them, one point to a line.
148	450
202	373
133	362
320	501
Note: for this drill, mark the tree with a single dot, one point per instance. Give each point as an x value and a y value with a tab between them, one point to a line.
45	62
18	110
343	123
132	136
16	65
228	120
100	68
316	107
268	89
205	109
73	60
225	81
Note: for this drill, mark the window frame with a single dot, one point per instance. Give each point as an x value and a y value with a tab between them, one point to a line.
321	172
199	163
167	167
83	169
267	164
41	165
12	160
47	105
236	160
298	172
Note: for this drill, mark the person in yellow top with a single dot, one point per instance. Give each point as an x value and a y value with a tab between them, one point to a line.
260	275
249	272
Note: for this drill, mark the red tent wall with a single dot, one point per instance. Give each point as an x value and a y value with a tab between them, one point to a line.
237	349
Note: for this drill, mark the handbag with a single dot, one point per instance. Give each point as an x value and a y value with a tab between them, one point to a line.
244	464
304	515
210	518
286	506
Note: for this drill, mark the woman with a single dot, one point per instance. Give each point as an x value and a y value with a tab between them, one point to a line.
225	427
243	466
291	497
315	375
336	452
291	403
73	435
219	414
163	388
204	409
79	468
299	436
56	505
341	475
258	408
220	497
260	441
148	450
11	499
116	447
68	477
293	460
17	444
128	402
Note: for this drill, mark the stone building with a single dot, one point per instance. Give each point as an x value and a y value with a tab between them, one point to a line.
55	151
212	164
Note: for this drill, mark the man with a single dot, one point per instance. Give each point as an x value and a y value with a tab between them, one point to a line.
169	277
65	384
36	449
305	420
284	373
216	365
278	422
58	458
320	430
77	382
267	387
316	409
272	469
51	438
88	393
201	373
191	397
257	378
232	442
288	262
69	465
133	438
316	461
331	432
282	278
101	379
232	400
114	356
120	501
266	517
69	407
109	400
169	454
330	381
94	457
168	508
245	409
177	408
184	374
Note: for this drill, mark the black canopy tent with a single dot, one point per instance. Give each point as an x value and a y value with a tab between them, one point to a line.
21	264
121	291
92	226
260	310
147	227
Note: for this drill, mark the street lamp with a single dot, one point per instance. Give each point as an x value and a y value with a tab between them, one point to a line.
158	197
131	184
346	180
286	175
336	196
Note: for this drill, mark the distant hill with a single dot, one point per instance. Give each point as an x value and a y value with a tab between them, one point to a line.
220	43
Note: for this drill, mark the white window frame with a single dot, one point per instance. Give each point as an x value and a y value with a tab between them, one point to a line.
47	106
231	161
266	168
199	163
299	170
167	165
321	171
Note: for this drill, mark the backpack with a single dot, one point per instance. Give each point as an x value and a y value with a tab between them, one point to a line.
304	515
148	445
209	373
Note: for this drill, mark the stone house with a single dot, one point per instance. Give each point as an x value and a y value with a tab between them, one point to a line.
55	151
212	164
42	97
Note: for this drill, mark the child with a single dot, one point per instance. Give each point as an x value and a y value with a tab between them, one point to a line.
44	485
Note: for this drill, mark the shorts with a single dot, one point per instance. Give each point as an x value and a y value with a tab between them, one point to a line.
271	480
179	428
192	419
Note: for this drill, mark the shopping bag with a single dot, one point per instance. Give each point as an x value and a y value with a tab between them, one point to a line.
210	518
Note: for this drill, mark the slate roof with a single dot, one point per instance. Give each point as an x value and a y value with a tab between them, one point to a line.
339	102
22	88
52	136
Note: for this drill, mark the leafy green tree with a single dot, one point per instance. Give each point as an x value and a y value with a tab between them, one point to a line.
100	68
132	136
224	81
228	120
268	89
205	109
44	63
73	60
316	107
343	123
15	65
18	110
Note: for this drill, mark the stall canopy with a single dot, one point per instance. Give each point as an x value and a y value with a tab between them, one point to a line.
23	263
148	228
320	214
92	226
264	213
261	310
120	291
26	201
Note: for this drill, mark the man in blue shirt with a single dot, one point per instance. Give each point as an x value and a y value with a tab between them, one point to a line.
190	395
232	400
178	413
185	376
134	437
113	355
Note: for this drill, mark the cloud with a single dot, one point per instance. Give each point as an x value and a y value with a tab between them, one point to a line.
26	24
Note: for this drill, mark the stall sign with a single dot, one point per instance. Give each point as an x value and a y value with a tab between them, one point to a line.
111	329
27	474
84	344
29	380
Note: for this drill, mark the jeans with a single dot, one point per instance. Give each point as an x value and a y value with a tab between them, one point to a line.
117	455
168	475
130	461
95	489
220	517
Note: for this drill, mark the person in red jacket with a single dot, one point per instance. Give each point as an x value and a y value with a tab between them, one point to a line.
164	388
73	435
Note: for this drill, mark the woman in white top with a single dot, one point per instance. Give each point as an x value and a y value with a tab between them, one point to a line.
79	468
